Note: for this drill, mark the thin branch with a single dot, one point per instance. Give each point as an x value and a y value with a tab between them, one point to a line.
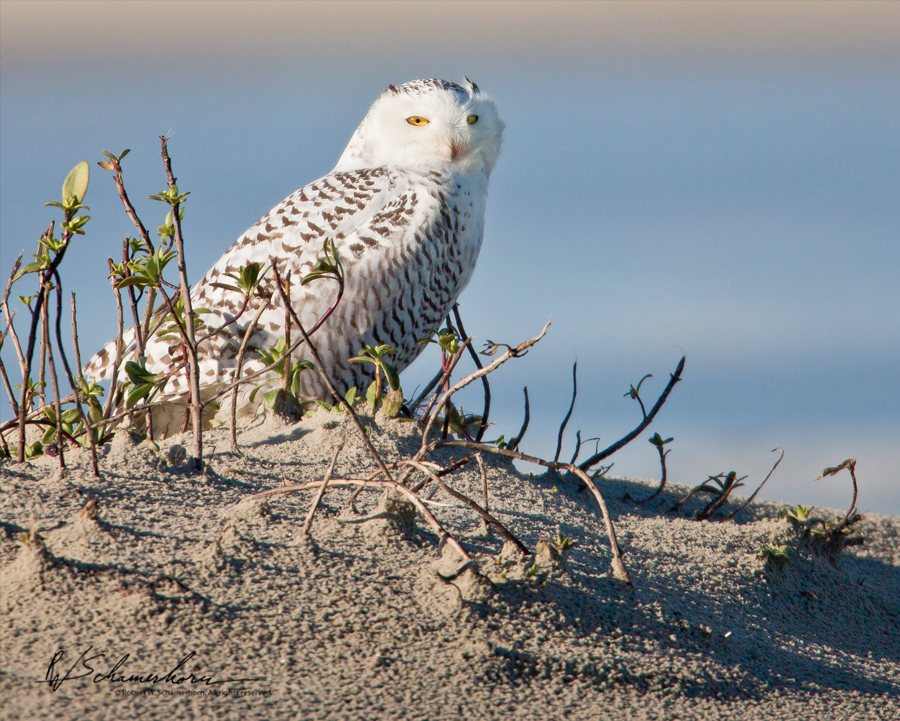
617	564
324	376
68	369
318	499
518	439
120	343
444	381
510	353
452	468
747	502
190	339
45	343
484	379
663	475
484	481
9	316
427	390
471	504
239	365
647	420
442	533
562	427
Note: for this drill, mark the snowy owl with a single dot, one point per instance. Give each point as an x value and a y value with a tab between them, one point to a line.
405	207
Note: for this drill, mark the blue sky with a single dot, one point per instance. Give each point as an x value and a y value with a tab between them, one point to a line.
677	178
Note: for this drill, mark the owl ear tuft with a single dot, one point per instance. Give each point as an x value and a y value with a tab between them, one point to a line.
471	86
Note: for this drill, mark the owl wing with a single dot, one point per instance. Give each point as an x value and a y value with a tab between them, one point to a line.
362	210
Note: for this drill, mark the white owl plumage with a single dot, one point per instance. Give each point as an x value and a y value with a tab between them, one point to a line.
405	206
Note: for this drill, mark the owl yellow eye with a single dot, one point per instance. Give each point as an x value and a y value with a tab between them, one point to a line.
472	119
417	120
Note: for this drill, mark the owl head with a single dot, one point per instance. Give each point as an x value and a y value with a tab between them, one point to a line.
428	124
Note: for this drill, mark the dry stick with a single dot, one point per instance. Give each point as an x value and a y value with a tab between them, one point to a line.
293	346
484	379
69	375
10	316
663	474
9	389
428	388
484	482
648	419
324	376
286	381
193	350
141	332
443	534
120	344
239	367
44	276
141	329
132	298
445	377
748	501
562	427
45	344
618	566
518	439
318	499
452	468
471	504
511	353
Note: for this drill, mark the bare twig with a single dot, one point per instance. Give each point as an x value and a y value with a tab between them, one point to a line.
10	316
190	340
618	566
428	414
647	420
442	533
426	391
452	468
850	465
510	353
120	344
484	483
69	375
286	381
45	343
239	364
747	502
518	439
324	376
472	504
318	499
610	530
562	427
484	379
663	473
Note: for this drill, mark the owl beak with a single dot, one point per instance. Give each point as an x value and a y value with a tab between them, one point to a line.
456	149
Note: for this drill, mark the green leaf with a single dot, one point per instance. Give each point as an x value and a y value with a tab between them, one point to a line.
76	182
30	268
391	374
106	165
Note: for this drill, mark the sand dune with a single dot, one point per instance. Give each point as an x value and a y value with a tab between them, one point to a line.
368	619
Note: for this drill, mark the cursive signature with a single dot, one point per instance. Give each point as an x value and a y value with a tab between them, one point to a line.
58	673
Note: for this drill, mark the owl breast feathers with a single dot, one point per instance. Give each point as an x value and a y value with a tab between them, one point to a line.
405	208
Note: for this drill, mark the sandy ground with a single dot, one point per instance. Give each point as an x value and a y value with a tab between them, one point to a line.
179	601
